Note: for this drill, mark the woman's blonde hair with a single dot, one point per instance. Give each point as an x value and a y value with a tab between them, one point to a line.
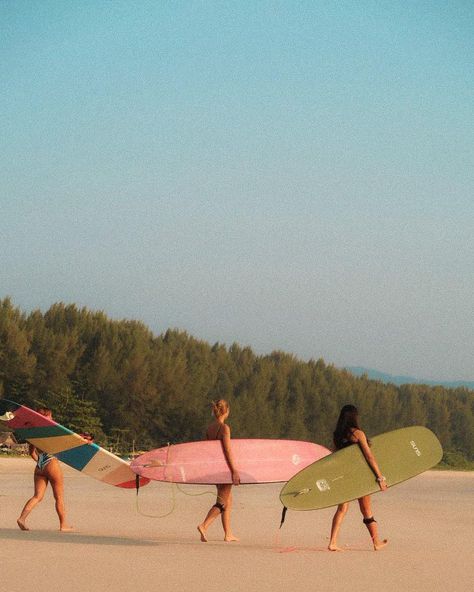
220	407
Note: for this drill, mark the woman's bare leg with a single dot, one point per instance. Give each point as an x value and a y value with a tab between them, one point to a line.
41	482
226	494
366	509
209	519
224	499
336	525
55	476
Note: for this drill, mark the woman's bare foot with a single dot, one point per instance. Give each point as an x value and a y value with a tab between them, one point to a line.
66	528
21	524
202	532
380	544
229	538
334	547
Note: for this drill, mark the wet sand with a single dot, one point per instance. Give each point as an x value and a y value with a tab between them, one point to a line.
429	521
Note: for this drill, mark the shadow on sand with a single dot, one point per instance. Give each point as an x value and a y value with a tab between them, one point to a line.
75	538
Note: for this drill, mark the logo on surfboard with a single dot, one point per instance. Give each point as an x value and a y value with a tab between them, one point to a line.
104	467
323	485
415	448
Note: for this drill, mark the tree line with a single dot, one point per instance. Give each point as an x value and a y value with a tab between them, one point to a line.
118	380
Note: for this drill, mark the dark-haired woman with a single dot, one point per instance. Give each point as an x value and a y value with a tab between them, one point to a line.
219	430
348	433
47	470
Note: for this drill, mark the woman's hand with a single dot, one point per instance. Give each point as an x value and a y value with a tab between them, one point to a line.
235	478
382	483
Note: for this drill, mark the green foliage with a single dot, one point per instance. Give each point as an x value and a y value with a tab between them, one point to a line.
455	460
79	415
131	388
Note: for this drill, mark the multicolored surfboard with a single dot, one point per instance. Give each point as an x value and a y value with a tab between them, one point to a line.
345	475
69	447
258	461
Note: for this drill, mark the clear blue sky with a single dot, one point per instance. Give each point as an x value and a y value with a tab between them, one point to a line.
288	175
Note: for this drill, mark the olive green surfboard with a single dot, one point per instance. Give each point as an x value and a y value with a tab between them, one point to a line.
345	475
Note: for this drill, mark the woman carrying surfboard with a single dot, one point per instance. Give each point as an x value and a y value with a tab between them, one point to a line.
347	433
47	470
219	430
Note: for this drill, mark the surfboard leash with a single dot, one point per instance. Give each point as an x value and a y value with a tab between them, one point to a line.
173	504
207	492
174	487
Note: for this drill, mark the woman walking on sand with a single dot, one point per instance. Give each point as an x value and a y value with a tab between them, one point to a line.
219	430
47	470
347	433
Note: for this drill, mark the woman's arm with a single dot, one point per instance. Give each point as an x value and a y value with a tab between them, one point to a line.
370	458
33	452
228	454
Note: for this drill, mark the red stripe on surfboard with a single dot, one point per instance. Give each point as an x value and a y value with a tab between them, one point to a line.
27	418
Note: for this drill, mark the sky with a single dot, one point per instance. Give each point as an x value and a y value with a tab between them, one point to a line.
292	176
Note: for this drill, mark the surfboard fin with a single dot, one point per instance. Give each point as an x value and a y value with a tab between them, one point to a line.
283	515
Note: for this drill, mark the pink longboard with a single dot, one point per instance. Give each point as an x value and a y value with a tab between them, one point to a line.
258	461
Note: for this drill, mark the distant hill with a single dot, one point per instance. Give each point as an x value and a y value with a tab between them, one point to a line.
398	380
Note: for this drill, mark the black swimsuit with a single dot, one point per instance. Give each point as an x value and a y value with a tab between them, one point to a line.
345	442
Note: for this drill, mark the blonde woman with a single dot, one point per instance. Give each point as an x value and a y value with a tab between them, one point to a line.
219	430
47	470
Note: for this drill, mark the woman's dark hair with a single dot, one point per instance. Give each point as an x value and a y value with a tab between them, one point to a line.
347	422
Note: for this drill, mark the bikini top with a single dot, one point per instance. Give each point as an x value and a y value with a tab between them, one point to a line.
346	442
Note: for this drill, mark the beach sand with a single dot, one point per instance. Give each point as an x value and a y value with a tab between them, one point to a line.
428	520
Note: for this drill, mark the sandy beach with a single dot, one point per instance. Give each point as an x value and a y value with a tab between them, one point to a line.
428	520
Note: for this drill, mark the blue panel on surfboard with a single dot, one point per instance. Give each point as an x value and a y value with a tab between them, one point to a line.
78	457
